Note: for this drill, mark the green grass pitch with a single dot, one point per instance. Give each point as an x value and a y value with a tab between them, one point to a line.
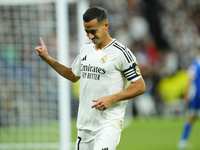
157	134
141	134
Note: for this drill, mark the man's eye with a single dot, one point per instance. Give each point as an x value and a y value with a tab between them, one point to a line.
93	31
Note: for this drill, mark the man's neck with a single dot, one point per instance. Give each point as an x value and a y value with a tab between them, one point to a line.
104	43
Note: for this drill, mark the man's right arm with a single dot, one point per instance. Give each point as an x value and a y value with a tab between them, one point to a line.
64	71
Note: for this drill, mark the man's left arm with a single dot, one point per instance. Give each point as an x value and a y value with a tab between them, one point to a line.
134	89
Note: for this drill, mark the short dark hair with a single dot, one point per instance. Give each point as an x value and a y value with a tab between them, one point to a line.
95	12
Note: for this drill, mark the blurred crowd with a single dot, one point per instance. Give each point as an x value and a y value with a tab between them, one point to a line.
181	28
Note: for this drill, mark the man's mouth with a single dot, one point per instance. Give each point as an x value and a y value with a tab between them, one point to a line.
93	40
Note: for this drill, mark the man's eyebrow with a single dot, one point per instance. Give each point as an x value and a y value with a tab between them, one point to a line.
91	31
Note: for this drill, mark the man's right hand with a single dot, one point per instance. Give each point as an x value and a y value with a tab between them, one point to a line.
42	50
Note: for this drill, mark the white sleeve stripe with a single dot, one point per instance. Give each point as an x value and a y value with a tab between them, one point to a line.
131	77
128	74
129	71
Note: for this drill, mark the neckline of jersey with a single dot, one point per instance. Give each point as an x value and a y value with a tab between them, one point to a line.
113	40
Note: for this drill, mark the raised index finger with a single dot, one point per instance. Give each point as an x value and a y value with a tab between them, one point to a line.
41	41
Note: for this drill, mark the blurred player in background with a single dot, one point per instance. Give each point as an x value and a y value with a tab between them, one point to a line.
192	99
103	67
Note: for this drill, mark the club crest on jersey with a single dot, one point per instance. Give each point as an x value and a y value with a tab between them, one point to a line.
103	59
137	70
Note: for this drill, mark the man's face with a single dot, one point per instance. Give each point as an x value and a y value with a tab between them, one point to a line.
95	31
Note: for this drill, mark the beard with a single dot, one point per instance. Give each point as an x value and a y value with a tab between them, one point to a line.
94	40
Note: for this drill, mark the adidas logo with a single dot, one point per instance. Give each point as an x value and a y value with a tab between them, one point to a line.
84	58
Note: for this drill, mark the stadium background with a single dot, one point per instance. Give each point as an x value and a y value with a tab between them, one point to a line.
163	35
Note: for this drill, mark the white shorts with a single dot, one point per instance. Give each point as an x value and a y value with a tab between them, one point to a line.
105	139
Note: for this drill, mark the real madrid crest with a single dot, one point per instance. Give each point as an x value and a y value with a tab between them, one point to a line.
137	70
103	59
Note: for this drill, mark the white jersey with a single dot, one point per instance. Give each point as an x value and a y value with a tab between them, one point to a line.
103	72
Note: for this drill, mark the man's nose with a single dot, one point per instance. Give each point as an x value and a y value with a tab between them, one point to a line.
91	36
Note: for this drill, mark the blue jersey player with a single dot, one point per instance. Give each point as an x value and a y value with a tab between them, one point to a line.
192	99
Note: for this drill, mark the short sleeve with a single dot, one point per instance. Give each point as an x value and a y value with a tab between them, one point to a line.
76	66
128	65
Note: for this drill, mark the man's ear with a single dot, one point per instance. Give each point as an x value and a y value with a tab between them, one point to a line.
106	24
